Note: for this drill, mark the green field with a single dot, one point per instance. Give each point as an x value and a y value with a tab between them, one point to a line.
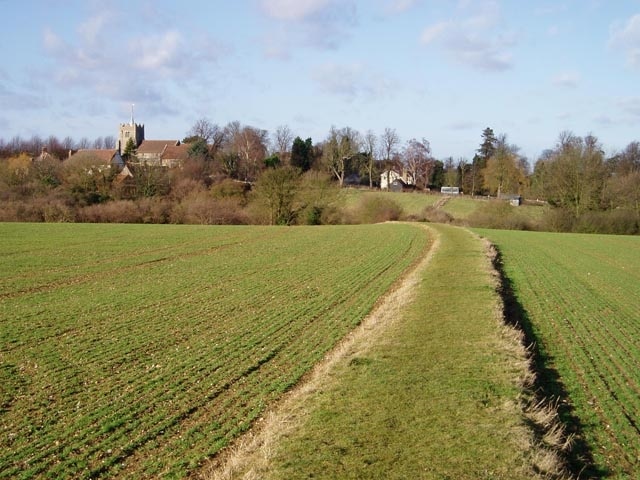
412	203
142	350
579	296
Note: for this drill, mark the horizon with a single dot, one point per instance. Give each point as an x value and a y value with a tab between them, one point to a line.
438	70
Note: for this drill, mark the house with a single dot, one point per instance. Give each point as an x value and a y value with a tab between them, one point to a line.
150	151
399	185
103	158
126	182
389	176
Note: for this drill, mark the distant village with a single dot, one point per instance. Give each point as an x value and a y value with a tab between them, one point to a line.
133	149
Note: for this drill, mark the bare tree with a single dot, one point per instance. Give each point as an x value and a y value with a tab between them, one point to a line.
575	173
250	145
204	129
389	141
98	143
370	143
450	173
282	139
110	142
36	144
339	148
68	143
418	161
211	133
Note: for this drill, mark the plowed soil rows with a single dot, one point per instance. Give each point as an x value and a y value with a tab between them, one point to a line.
581	294
141	350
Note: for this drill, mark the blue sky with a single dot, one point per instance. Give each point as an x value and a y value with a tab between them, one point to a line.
439	69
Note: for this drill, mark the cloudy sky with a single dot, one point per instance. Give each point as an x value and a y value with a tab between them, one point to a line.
439	69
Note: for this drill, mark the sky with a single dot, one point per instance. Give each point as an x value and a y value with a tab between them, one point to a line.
442	70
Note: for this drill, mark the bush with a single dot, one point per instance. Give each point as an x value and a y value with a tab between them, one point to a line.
38	209
229	188
201	208
499	215
117	211
557	220
376	209
435	215
618	222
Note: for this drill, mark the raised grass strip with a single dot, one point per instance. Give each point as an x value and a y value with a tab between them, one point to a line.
437	394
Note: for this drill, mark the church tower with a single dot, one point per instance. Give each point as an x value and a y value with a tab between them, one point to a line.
130	130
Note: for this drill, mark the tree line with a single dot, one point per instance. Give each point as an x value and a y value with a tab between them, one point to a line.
227	162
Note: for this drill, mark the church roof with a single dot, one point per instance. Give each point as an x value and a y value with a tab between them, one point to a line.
176	152
156	146
101	155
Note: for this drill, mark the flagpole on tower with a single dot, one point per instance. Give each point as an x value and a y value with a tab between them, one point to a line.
132	113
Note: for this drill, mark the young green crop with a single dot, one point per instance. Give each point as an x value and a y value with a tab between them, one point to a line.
580	295
141	350
434	395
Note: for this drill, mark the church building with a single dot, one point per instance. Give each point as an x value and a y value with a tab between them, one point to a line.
128	131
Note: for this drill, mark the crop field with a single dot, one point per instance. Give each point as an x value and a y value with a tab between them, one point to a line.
581	296
141	350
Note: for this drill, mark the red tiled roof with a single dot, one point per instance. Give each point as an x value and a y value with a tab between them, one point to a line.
176	152
155	146
102	155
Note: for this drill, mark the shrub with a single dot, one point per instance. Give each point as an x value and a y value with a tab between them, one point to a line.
499	215
201	208
229	188
117	211
557	220
618	222
435	215
376	209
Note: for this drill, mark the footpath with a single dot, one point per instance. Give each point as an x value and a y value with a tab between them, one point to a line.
430	387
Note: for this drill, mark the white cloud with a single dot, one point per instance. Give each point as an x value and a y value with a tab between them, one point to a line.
321	24
400	6
566	80
293	10
479	40
132	65
93	27
352	80
433	32
160	52
627	37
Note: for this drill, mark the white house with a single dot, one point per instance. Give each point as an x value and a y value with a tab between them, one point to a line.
389	176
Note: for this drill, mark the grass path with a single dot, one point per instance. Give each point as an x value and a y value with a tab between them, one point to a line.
431	388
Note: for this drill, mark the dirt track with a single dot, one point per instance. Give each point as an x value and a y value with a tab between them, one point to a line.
251	452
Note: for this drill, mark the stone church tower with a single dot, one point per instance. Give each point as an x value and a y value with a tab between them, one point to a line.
130	130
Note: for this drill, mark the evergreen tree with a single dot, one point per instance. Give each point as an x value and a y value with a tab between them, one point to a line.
302	154
130	149
485	152
488	145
